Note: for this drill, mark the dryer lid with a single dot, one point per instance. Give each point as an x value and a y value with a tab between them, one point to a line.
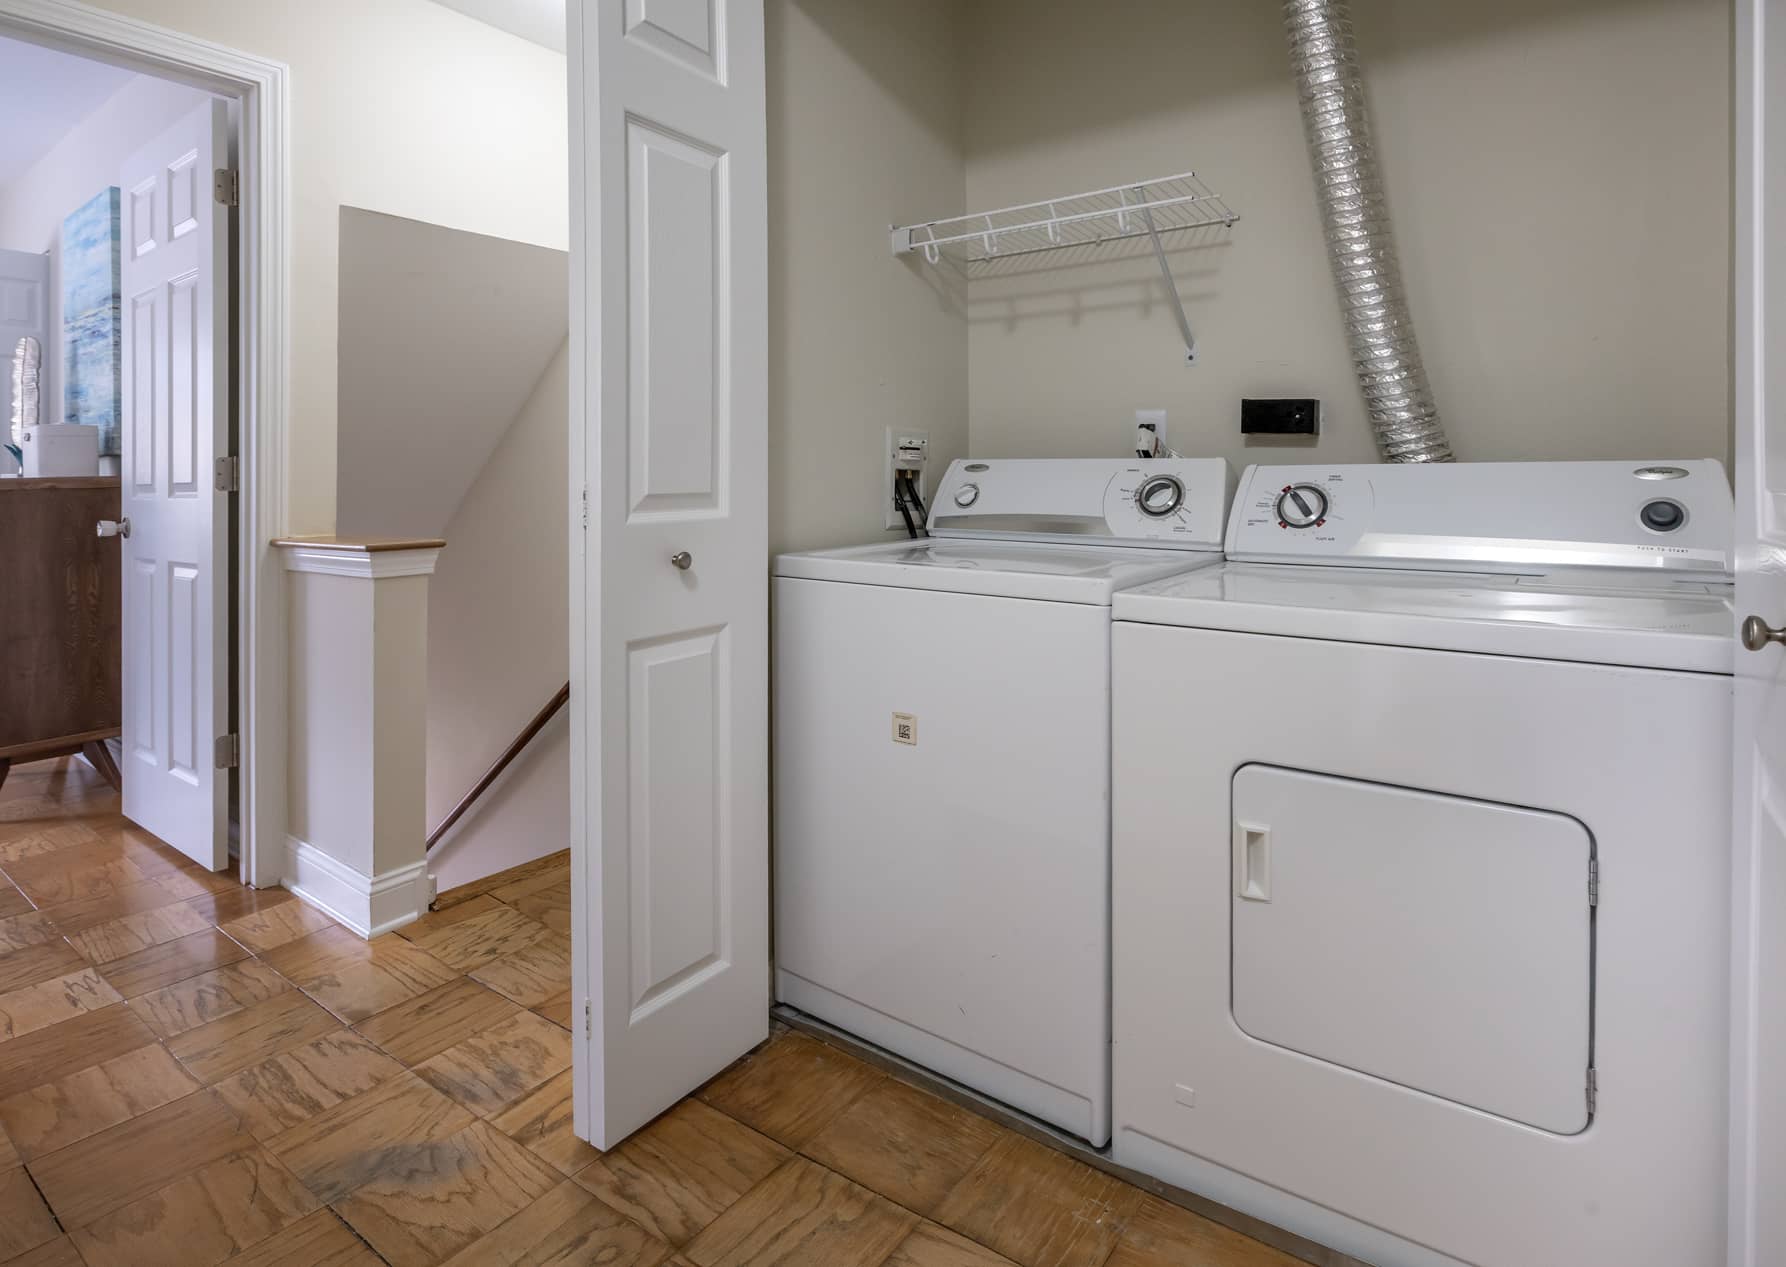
1672	622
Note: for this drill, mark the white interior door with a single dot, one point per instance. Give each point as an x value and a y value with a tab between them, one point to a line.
175	422
669	638
1758	1047
24	310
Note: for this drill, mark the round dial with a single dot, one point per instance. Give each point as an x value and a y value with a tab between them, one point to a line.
1160	495
1302	506
1662	515
967	495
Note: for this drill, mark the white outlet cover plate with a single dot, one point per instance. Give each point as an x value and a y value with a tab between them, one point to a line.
891	518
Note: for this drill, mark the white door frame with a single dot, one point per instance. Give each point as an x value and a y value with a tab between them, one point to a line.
263	355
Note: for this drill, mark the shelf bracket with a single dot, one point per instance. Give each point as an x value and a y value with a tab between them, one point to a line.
1159	253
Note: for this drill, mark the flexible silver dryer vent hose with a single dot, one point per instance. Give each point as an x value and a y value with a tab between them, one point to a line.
1360	245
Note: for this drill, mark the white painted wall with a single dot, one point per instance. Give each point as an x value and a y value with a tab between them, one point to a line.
865	129
443	336
1558	170
498	615
86	160
399	106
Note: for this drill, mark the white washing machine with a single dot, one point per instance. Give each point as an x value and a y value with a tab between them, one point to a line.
942	770
1421	835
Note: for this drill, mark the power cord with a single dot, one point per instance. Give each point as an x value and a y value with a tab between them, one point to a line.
905	511
905	492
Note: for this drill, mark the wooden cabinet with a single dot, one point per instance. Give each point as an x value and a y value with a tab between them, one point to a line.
60	597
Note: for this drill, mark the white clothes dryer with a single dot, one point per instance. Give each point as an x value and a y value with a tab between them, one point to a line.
1421	863
942	770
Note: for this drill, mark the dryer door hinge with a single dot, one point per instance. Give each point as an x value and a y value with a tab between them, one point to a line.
1593	881
227	752
1593	1091
229	474
226	187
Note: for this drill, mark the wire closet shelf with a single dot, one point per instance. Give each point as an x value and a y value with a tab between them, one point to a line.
1145	208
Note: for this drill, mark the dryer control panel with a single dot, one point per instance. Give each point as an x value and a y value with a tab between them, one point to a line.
1171	503
1488	516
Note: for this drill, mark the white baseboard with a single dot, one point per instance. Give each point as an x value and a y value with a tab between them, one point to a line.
369	905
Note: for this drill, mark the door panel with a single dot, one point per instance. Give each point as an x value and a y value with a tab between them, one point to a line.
669	660
176	418
1438	942
676	321
1758	908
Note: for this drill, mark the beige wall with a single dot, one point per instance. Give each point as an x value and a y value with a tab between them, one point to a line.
1559	174
399	106
865	130
498	647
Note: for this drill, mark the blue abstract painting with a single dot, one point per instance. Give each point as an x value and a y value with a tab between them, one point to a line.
91	318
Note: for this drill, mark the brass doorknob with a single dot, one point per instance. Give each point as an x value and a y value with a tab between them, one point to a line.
114	527
1757	634
682	559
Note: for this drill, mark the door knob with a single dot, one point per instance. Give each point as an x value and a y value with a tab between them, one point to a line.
1756	634
682	559
114	527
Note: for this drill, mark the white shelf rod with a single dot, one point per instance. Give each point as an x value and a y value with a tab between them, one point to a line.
1133	213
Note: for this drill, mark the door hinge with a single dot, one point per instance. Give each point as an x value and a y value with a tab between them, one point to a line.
1593	1091
226	186
229	474
1593	881
588	1021
227	751
585	508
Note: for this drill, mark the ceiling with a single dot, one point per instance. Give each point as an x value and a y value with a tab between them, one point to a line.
43	94
539	21
443	336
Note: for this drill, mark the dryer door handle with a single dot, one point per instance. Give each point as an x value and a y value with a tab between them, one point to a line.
1252	862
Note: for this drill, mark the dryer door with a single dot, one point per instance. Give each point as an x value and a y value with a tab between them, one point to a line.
1438	942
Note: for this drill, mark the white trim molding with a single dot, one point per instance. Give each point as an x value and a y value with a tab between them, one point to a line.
364	565
264	356
369	905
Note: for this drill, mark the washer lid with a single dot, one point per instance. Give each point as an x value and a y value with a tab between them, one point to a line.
1055	573
1646	620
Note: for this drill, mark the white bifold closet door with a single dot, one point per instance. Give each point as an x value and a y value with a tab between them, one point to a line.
1758	906
669	606
175	423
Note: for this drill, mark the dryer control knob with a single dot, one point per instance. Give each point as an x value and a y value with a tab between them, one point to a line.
967	495
1302	506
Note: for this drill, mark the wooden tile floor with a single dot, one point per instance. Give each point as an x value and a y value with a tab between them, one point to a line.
194	1073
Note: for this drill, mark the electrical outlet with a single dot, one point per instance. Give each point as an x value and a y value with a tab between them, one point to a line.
1149	422
906	449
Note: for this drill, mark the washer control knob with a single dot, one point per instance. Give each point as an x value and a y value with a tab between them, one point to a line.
1302	506
1160	495
967	495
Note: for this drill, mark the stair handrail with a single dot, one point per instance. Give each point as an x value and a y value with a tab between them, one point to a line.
502	763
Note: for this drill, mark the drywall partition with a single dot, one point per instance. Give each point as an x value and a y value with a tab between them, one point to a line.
498	622
83	162
399	106
443	336
1559	175
864	131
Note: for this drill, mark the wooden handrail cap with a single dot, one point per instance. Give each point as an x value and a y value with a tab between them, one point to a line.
358	545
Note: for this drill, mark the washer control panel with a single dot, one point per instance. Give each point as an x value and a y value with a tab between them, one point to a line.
1173	503
1487	516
